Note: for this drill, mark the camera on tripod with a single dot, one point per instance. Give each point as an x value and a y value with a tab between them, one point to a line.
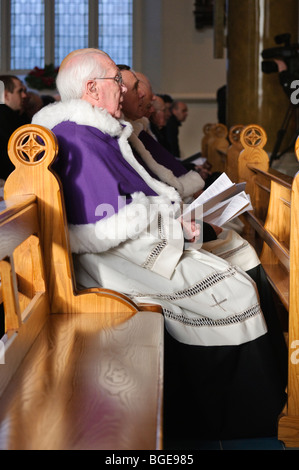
288	71
288	53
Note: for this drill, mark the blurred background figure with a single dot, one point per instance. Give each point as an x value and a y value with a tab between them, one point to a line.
34	102
179	113
11	117
158	121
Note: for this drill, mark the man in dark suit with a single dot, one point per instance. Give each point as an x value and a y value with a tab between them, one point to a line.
179	113
10	117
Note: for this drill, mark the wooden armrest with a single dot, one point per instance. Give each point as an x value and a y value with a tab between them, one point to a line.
279	280
14	205
278	249
273	175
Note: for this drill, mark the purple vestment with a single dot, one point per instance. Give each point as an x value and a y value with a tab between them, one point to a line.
161	154
93	171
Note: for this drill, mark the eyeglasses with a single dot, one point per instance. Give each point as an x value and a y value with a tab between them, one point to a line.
118	79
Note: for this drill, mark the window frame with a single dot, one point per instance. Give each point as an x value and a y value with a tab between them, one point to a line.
93	31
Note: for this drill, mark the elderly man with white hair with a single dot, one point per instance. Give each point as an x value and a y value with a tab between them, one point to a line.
222	378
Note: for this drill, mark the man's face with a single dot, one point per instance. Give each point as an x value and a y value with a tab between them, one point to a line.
181	112
148	99
158	116
16	99
132	104
167	111
111	91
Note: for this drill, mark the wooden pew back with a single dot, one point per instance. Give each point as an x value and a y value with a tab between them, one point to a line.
207	129
217	147
233	152
253	139
214	145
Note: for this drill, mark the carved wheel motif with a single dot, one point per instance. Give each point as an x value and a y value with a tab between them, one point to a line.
234	133
207	128
220	130
31	145
30	148
254	137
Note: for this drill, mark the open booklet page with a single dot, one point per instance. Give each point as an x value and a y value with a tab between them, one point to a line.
221	202
228	210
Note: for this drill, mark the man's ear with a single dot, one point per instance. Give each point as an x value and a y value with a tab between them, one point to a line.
91	89
6	96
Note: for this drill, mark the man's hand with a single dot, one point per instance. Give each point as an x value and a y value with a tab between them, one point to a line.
217	229
191	230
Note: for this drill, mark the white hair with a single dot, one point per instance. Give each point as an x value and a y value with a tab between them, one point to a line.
78	69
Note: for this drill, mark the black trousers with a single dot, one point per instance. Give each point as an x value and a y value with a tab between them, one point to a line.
226	392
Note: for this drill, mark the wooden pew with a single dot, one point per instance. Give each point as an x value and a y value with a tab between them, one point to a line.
275	221
214	145
233	152
207	128
217	147
78	369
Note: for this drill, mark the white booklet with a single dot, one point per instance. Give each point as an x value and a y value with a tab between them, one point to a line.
221	202
199	161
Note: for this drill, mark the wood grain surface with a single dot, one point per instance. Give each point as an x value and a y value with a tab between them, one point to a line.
88	383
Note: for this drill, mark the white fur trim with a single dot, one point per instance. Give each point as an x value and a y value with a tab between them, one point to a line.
158	186
81	112
164	174
186	185
140	125
191	182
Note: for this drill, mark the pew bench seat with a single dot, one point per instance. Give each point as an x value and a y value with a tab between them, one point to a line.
87	384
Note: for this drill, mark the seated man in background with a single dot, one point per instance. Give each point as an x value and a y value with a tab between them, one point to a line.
149	98
10	118
222	374
151	154
179	113
158	121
